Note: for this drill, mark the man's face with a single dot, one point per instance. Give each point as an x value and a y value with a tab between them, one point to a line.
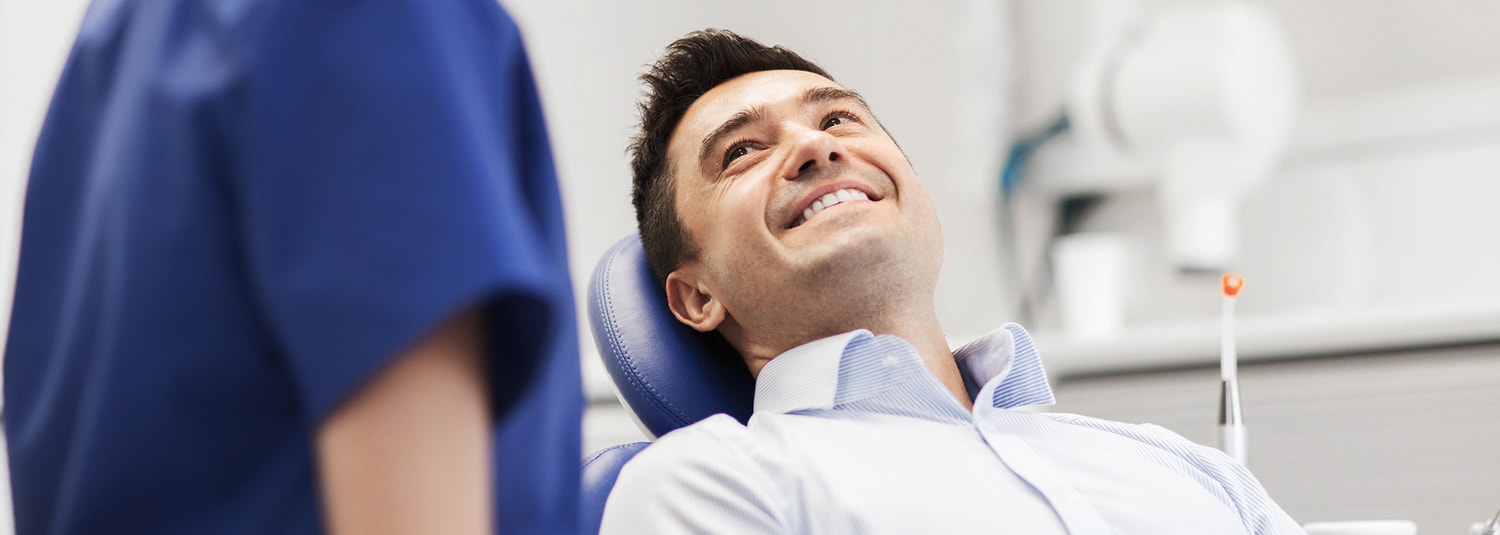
801	205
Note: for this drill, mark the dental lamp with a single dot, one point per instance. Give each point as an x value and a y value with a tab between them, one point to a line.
1204	96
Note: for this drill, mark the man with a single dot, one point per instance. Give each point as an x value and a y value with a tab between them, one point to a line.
293	266
778	212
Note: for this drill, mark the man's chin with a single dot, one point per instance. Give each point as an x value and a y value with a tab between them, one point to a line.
845	285
855	252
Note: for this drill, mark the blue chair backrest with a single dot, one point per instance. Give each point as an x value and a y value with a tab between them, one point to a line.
598	476
668	374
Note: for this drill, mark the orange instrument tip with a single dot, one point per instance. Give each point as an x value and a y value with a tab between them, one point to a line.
1232	284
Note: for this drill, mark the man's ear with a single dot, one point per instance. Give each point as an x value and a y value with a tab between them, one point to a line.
692	303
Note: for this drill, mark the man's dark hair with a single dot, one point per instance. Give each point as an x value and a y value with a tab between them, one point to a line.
691	67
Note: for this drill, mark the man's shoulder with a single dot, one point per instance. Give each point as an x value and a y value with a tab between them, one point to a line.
717	445
712	457
706	477
707	440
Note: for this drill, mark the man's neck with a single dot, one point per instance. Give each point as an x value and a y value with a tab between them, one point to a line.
926	335
920	329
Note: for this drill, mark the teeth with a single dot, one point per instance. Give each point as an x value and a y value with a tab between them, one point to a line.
837	197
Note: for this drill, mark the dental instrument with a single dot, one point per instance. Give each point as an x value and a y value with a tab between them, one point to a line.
1231	419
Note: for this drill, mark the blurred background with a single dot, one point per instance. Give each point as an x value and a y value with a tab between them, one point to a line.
1096	165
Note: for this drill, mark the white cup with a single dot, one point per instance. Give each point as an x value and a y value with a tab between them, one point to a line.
1089	276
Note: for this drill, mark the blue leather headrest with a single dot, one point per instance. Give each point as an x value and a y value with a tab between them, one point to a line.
668	374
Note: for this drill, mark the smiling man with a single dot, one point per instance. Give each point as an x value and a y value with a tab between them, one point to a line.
777	211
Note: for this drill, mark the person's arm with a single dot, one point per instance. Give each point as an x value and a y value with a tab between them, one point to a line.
408	451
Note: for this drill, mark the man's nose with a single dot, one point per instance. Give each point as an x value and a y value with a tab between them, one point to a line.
811	150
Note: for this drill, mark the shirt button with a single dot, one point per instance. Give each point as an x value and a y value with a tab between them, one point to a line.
890	360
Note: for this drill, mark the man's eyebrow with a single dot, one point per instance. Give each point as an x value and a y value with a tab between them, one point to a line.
737	121
823	95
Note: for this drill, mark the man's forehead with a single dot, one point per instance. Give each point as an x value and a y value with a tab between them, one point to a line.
753	89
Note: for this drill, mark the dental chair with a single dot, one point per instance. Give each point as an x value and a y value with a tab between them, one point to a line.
667	374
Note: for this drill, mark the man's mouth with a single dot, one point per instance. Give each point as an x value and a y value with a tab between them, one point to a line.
829	200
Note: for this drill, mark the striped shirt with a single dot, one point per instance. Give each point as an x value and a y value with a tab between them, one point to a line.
852	434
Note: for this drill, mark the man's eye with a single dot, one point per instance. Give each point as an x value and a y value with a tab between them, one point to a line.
735	151
839	118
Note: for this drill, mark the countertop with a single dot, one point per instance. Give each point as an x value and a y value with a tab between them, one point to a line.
1276	336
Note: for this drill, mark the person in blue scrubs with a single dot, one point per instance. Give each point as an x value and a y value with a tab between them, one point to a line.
293	266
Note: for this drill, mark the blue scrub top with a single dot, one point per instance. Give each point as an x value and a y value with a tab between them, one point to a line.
238	212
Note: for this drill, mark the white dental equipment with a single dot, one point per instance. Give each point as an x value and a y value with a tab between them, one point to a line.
1204	96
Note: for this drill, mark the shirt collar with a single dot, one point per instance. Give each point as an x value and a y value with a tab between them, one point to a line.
1008	357
809	376
804	377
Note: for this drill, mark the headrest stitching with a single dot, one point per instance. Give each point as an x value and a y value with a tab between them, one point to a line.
623	354
607	451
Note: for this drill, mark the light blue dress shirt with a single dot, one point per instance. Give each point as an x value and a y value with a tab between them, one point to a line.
852	434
